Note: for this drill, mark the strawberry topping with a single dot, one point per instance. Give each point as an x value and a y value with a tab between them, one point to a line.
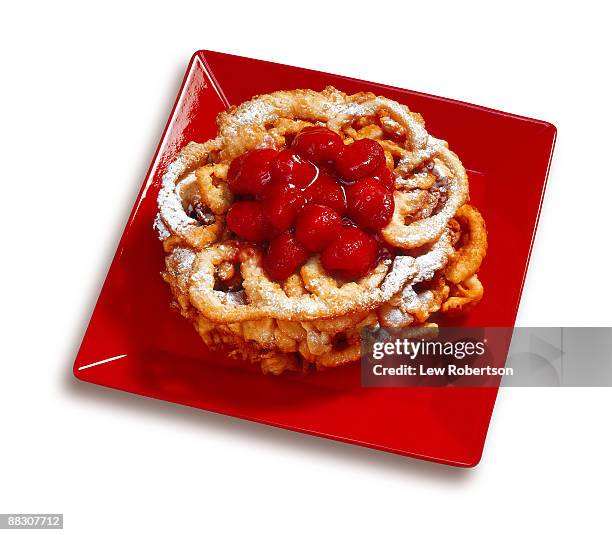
317	226
318	144
246	220
284	256
290	167
360	159
281	203
351	255
319	196
370	204
248	174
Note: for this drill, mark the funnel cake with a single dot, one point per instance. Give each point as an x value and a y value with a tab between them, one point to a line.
311	216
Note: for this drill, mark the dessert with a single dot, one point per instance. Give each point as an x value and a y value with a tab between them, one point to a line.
311	216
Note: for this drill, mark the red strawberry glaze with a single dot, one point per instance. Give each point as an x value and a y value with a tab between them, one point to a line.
289	166
370	204
281	204
246	220
250	173
317	226
319	196
328	191
351	255
385	177
360	159
318	144
285	254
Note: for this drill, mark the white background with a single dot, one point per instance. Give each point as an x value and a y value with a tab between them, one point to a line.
85	93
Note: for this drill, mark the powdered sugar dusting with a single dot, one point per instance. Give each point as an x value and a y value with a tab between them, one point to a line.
404	268
162	230
436	258
171	210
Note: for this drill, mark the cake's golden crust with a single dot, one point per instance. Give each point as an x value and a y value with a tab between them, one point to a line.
312	319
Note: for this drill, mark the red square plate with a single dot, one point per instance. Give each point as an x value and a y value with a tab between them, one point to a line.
136	343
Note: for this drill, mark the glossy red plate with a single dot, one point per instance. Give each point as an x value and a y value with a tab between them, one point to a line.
136	343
